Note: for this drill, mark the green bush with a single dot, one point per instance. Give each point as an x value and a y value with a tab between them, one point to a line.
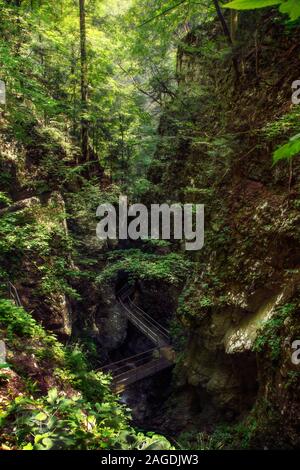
87	416
172	268
61	422
17	321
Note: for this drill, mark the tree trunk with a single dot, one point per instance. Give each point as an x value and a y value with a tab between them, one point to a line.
84	84
234	20
228	37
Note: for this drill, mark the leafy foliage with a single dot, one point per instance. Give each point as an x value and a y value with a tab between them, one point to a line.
59	422
270	338
17	321
288	150
171	268
37	232
290	7
89	416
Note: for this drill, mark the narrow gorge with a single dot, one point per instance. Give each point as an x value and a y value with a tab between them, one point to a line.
124	344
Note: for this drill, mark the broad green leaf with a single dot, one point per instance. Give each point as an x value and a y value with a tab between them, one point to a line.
39	437
4	366
28	446
41	416
287	150
291	7
251	4
48	443
52	396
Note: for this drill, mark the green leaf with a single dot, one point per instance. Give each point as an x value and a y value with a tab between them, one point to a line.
4	366
47	443
28	446
52	396
292	8
287	150
251	4
41	416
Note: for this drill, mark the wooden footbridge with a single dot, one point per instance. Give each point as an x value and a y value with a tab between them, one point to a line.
137	367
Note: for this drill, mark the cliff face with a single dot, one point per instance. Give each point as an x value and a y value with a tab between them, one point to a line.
49	251
241	303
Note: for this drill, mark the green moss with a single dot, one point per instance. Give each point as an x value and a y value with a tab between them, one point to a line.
237	436
269	338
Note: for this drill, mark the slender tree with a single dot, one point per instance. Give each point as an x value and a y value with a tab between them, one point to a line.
84	83
228	37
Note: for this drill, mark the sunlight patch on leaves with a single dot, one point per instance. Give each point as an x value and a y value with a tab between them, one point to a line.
290	7
288	150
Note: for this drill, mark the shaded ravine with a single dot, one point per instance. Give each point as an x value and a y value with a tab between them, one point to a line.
137	367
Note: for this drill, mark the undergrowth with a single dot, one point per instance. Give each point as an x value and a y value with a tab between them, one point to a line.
78	411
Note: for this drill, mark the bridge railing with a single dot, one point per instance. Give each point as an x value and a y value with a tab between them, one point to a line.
141	372
143	324
150	327
125	291
134	368
129	362
155	325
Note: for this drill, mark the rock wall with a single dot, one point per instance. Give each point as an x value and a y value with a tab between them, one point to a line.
241	303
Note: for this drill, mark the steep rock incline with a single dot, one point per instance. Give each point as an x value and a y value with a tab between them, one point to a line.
240	304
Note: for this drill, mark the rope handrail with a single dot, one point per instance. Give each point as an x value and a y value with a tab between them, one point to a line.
146	324
142	325
132	363
124	368
149	365
129	358
157	325
124	294
125	291
133	368
129	368
161	334
167	332
123	381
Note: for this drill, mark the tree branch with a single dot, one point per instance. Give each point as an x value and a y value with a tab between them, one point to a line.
137	86
167	10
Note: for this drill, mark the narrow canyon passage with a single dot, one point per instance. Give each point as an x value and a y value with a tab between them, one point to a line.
149	226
